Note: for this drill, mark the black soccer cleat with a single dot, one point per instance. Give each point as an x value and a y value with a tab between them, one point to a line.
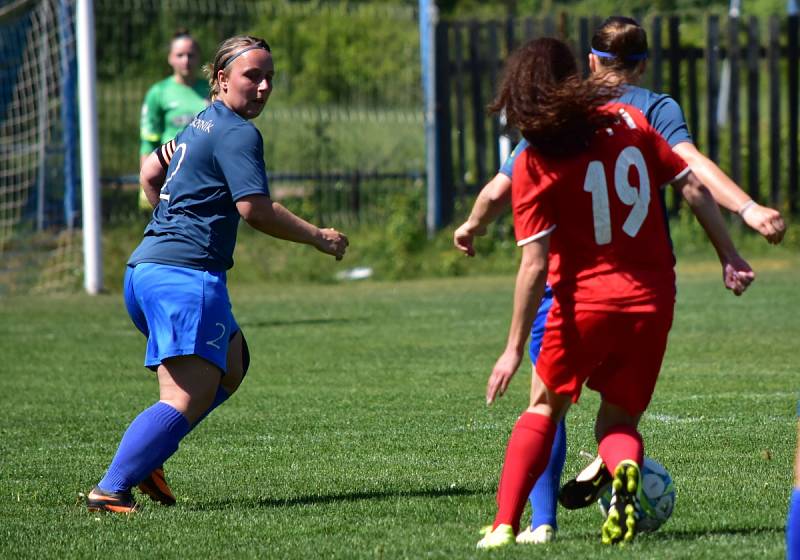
586	488
155	486
114	502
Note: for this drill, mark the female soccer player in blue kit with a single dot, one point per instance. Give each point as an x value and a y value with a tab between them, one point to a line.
175	284
619	51
793	517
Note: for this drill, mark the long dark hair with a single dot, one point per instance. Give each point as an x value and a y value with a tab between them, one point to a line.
542	96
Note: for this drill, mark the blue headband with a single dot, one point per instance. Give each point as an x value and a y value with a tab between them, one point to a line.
240	53
631	57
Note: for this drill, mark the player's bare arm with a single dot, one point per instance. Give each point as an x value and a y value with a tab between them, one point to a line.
270	217
493	200
766	221
153	171
527	295
151	178
737	274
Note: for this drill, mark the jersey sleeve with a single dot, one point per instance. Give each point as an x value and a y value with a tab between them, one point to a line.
151	121
240	156
667	118
531	205
507	168
665	165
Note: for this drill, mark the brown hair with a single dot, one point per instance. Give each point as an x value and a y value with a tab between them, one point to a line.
623	38
228	50
182	33
545	99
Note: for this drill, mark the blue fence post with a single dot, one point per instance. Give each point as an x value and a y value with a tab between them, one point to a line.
427	19
68	116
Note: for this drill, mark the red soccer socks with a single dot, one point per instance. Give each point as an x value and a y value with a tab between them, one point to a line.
527	455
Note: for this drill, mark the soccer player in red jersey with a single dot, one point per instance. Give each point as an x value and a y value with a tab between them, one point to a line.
584	201
619	54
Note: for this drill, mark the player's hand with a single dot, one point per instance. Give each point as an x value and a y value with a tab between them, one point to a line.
332	242
504	369
464	236
766	221
737	274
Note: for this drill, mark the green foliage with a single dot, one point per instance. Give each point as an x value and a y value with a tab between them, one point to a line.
396	246
336	53
361	430
345	74
636	8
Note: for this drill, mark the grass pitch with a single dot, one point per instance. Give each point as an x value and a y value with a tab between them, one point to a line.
361	429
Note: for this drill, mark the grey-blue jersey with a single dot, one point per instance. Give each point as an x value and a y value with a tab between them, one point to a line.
661	111
218	159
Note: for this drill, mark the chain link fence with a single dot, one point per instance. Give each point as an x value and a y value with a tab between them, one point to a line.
344	126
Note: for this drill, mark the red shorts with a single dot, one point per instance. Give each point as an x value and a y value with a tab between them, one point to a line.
617	354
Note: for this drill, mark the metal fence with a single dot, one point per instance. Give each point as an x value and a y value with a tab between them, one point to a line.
346	109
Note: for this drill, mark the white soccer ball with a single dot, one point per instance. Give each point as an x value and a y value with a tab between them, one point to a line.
659	493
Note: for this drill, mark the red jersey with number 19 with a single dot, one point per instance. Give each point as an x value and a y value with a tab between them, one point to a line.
609	247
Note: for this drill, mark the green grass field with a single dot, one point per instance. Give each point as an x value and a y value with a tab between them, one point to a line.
361	430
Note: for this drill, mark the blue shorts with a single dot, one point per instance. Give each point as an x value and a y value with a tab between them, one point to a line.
537	329
181	311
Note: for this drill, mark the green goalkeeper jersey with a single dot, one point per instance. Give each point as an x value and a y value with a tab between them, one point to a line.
167	109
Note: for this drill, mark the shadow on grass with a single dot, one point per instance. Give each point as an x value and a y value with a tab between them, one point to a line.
331	499
300	322
721	532
665	535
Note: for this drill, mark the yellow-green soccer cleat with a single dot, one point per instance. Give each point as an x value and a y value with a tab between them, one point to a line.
503	535
625	509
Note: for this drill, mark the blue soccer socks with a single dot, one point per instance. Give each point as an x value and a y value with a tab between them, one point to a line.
544	496
151	439
793	527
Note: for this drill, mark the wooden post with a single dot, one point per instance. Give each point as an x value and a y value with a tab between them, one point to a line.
656	55
733	100
584	45
675	55
694	99
461	130
493	60
753	132
712	85
445	195
478	113
794	99
774	54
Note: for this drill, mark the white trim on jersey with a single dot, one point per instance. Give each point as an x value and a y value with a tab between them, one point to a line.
680	175
536	236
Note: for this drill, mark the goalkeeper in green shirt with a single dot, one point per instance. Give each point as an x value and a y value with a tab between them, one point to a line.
171	104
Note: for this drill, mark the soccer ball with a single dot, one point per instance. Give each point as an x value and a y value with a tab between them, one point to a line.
659	493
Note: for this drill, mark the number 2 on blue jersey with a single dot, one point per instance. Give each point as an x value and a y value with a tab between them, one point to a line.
164	194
